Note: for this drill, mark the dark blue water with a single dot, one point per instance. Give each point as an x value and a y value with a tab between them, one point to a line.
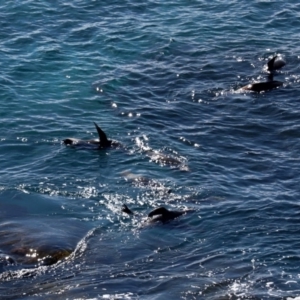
162	79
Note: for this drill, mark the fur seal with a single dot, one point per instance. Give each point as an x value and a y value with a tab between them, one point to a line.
103	142
263	86
164	215
275	64
160	214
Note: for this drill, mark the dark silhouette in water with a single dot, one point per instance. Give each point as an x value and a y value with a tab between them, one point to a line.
164	215
126	210
275	64
160	214
103	142
263	86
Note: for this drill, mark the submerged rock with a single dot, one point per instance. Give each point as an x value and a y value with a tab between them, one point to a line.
35	243
45	255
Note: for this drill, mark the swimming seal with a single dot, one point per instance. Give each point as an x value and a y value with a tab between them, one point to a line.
263	86
160	214
103	142
275	64
164	215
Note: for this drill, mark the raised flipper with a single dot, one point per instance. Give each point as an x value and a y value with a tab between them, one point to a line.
126	210
275	64
271	63
103	141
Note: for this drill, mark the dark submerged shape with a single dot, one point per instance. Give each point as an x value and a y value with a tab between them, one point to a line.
44	255
103	141
274	64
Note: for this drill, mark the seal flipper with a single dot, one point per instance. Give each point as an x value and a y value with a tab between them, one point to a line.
126	210
68	141
276	63
104	142
271	63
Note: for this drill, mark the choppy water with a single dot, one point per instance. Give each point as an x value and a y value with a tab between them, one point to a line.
161	79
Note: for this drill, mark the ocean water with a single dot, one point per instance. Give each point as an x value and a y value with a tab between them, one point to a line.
161	78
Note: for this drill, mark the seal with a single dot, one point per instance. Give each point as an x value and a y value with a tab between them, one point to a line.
275	64
164	215
160	214
103	141
263	86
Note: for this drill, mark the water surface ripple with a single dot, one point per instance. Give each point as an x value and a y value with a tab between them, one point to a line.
161	78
